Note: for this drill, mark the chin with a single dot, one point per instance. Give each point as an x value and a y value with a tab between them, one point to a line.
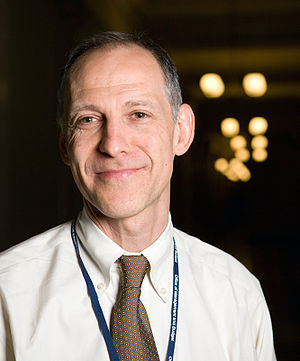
119	212
118	209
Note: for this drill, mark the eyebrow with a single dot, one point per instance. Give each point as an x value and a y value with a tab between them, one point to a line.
129	104
92	107
134	103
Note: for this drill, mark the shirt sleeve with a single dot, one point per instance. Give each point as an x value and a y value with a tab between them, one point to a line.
262	332
6	343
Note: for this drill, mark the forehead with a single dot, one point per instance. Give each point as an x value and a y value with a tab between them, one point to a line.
116	66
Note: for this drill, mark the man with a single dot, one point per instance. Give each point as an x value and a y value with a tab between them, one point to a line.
122	122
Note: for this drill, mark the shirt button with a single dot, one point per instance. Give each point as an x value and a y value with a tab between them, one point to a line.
163	291
100	286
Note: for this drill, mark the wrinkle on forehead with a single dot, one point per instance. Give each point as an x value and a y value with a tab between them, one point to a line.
119	66
117	57
123	95
107	89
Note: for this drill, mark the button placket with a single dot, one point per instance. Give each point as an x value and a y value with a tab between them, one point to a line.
101	286
163	291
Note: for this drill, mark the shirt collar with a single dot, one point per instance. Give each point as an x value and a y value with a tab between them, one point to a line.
160	256
105	252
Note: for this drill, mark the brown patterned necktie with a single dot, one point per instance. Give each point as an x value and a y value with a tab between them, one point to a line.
130	327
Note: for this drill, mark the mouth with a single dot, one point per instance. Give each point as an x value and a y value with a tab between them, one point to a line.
118	173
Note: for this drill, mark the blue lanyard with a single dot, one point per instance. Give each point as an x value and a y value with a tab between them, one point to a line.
99	313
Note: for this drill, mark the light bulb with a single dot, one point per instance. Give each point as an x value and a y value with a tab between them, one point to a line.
212	85
231	175
259	141
240	169
230	127
242	154
221	165
258	125
254	84
238	142
259	154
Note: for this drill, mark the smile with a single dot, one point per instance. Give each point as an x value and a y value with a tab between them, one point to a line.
118	174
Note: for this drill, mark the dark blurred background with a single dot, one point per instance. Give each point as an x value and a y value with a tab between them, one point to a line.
256	221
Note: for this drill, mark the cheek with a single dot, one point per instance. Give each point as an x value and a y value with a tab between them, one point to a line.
78	157
164	145
80	147
160	151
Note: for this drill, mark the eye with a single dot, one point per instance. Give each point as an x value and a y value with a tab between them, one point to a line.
87	120
140	115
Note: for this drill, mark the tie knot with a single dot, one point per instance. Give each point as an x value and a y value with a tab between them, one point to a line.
134	269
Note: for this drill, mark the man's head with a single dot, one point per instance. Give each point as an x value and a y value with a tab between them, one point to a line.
112	40
121	138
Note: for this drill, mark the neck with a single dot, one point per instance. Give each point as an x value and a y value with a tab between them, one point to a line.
133	234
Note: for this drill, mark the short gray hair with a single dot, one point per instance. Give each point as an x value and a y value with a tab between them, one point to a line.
114	39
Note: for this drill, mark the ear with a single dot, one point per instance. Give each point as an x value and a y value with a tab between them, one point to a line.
63	147
184	129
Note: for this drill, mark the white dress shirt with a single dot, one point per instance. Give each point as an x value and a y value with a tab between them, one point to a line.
46	313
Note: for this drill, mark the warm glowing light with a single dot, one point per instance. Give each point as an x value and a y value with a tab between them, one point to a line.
240	169
230	127
242	154
245	176
259	154
221	165
258	125
238	142
212	85
255	84
259	141
231	175
236	165
234	170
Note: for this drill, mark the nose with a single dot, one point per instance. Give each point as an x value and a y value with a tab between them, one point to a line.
114	137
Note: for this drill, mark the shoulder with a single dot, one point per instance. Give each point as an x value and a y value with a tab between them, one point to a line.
219	265
38	248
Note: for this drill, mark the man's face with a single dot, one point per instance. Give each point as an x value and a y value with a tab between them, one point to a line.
121	144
